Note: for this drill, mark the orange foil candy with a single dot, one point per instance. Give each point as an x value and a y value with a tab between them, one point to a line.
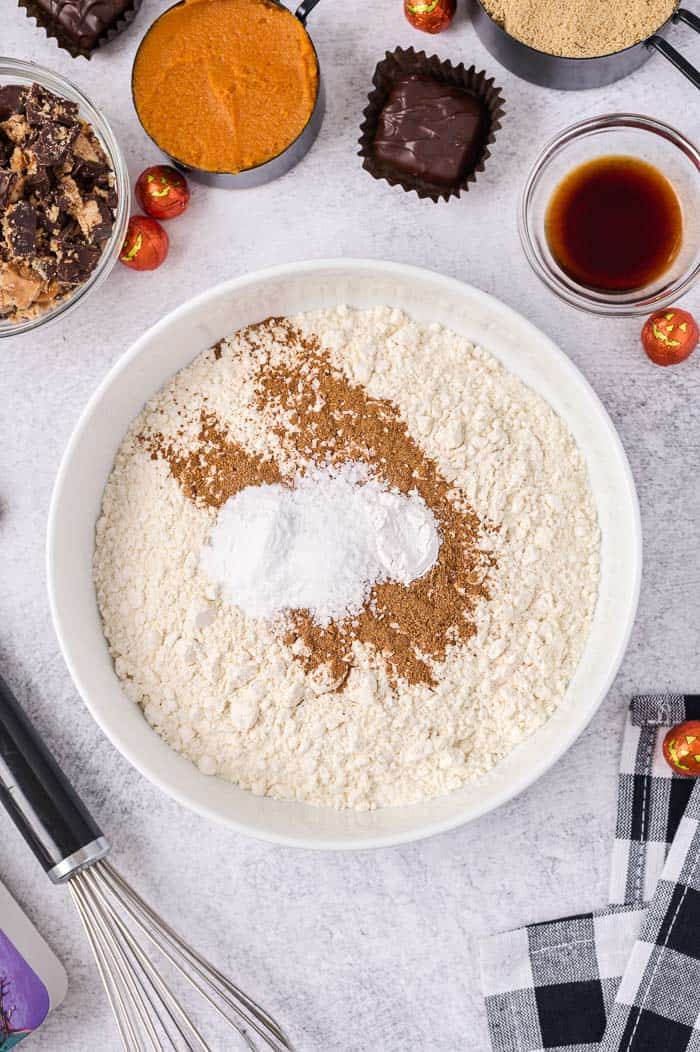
146	244
431	16
162	192
682	748
670	336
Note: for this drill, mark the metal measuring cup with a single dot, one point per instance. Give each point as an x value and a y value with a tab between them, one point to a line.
571	74
276	166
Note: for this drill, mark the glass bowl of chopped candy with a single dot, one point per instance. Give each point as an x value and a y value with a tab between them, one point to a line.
64	197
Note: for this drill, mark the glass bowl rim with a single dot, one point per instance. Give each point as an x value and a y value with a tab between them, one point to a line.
565	289
65	87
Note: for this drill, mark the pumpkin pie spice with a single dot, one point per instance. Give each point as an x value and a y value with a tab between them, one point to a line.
322	417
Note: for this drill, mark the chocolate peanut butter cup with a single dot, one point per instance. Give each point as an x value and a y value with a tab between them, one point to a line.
81	26
58	200
428	124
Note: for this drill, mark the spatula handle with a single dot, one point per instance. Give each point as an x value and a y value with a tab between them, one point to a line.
40	800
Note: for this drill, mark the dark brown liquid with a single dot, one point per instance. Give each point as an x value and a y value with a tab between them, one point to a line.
614	224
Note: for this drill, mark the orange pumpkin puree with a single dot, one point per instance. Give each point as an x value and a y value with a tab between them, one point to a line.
225	85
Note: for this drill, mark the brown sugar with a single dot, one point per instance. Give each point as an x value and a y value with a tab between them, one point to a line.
580	28
225	85
411	626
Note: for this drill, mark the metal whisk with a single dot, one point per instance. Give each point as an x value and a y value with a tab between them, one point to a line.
120	926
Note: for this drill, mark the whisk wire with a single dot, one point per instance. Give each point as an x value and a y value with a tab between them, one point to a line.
136	997
109	972
154	976
140	963
202	975
99	960
145	1007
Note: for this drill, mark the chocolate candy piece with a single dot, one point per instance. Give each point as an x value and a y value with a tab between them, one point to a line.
83	22
39	183
77	263
51	222
429	130
7	183
87	173
53	142
11	100
41	105
45	266
105	190
19	227
101	231
6	149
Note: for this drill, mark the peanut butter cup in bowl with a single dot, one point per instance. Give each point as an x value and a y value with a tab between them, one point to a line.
230	90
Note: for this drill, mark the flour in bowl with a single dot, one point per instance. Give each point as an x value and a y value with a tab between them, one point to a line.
347	559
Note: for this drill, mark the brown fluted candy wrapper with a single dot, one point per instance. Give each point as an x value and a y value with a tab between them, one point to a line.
402	63
81	26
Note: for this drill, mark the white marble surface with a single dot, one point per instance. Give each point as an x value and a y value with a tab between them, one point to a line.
367	952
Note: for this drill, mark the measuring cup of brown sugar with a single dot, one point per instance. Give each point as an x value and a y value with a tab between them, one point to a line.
230	90
607	40
609	217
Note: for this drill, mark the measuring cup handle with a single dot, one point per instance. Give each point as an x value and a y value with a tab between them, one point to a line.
304	10
690	19
668	51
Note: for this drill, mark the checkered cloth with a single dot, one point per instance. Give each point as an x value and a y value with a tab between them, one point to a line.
657	1008
651	798
626	978
552	986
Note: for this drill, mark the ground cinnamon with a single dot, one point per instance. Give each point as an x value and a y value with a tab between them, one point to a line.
215	468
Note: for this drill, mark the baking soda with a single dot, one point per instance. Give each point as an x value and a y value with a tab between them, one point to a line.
320	544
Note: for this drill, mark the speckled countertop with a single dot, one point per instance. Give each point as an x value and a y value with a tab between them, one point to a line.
367	952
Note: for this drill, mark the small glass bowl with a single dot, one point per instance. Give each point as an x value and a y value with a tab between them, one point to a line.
631	135
16	71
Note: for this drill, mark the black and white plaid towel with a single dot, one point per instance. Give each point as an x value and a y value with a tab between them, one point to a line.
651	798
626	978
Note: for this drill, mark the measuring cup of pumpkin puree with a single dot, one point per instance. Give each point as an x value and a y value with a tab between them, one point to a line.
230	90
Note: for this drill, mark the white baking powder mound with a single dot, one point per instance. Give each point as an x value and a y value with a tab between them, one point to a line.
319	544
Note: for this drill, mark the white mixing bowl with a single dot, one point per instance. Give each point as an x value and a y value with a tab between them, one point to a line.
172	344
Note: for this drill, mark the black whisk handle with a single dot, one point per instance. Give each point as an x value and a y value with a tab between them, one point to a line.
40	800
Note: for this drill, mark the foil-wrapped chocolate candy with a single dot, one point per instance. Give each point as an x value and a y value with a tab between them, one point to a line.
682	749
430	16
